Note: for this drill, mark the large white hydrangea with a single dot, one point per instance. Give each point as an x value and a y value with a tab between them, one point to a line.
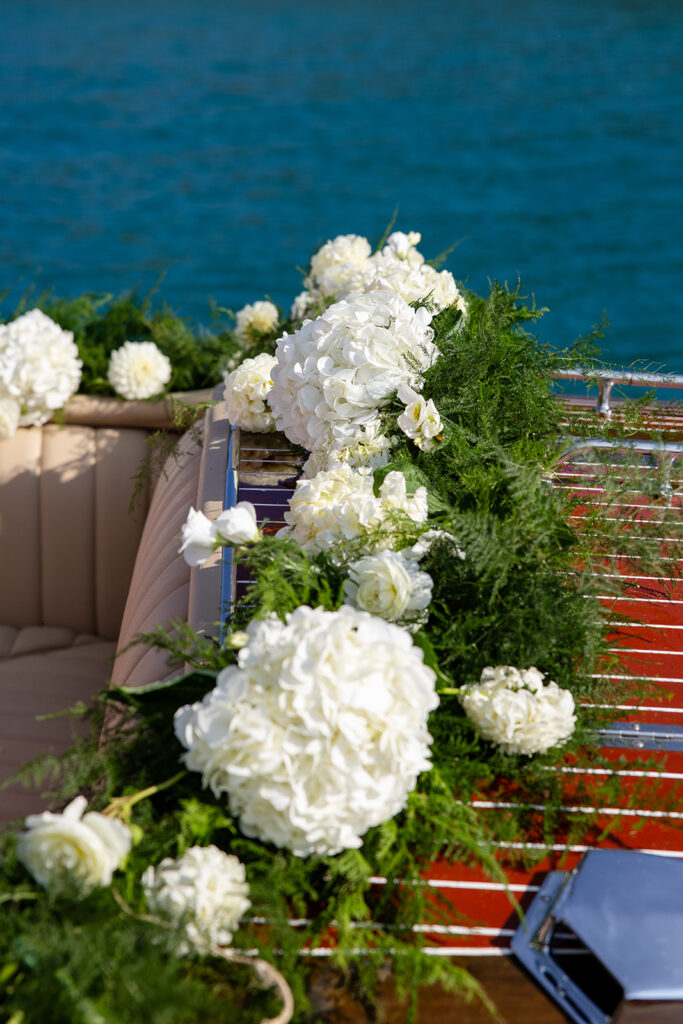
205	892
336	372
340	504
138	370
39	370
319	732
515	709
246	390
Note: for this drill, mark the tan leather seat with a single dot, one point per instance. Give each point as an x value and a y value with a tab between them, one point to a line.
68	548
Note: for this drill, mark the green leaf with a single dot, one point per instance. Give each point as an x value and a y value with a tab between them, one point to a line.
163	698
422	641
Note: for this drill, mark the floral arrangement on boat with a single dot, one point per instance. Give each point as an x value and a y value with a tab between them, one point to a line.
422	631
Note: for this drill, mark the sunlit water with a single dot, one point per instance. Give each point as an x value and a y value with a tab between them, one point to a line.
222	142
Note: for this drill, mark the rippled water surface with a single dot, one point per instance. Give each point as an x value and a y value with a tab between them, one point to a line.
222	142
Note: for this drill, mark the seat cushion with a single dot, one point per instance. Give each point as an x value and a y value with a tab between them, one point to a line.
43	670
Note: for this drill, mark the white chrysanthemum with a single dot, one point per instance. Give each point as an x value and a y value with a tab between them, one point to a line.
400	268
258	318
368	449
138	370
335	373
39	366
246	390
340	504
336	263
10	412
420	420
205	892
320	731
389	584
516	710
73	849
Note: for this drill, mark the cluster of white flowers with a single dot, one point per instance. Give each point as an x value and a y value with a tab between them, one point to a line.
72	850
369	448
340	504
319	732
391	585
204	892
335	373
39	370
345	265
246	391
200	536
138	370
257	318
515	709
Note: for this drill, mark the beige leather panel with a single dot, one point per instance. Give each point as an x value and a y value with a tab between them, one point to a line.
117	530
35	684
20	551
67	527
159	590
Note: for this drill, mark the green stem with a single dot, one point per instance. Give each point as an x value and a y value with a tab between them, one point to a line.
121	806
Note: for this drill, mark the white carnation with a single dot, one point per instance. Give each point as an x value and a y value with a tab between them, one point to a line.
335	373
319	732
389	584
138	370
73	849
10	412
257	318
336	263
516	710
39	367
205	892
246	390
340	504
420	419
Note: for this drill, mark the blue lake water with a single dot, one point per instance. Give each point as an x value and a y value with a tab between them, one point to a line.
223	141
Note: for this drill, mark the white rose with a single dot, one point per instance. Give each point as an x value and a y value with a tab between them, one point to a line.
205	892
138	370
71	849
257	318
319	732
238	525
390	585
9	417
198	537
246	391
515	709
420	420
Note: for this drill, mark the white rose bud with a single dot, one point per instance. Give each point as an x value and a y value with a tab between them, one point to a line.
198	537
73	849
238	525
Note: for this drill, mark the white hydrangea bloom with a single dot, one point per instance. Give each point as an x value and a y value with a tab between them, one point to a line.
39	367
367	449
516	710
319	732
138	370
389	584
258	318
420	419
340	504
246	390
302	305
73	849
10	411
335	373
205	892
336	263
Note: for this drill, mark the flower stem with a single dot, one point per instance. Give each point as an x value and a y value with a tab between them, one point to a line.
121	806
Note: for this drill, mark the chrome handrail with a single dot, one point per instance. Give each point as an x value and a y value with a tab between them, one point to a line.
664	453
606	379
